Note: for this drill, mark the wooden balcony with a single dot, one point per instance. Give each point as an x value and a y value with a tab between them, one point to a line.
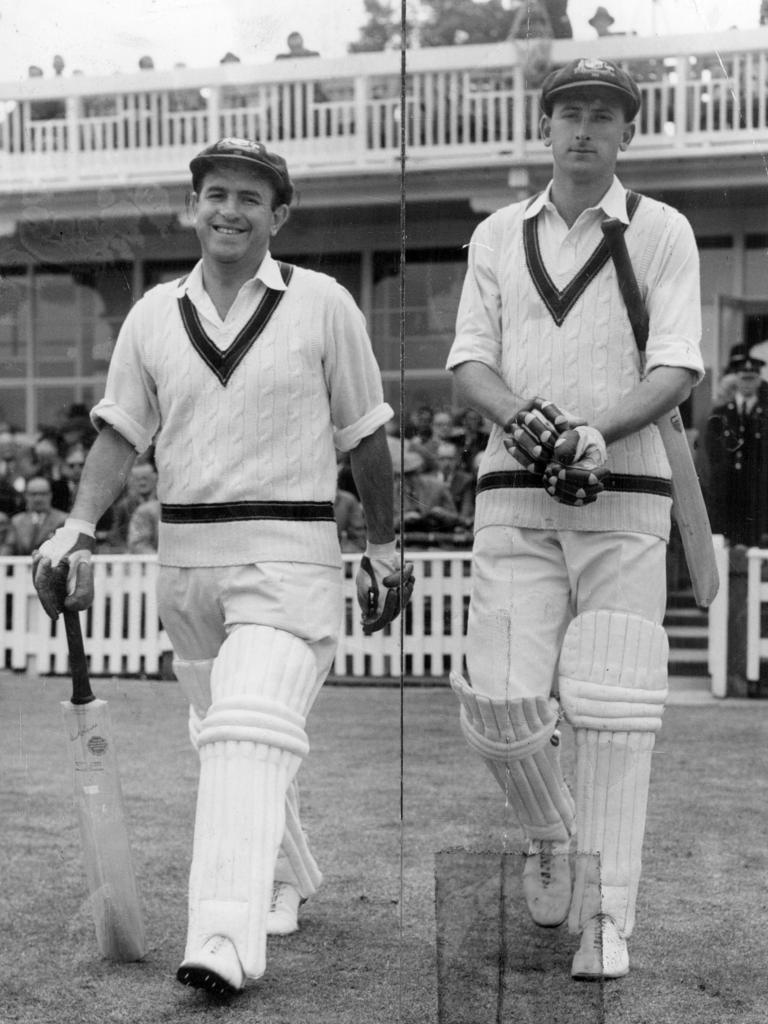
705	103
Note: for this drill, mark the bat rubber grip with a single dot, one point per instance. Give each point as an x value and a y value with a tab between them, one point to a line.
81	686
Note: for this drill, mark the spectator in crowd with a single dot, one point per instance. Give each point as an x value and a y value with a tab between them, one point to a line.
5	521
736	442
146	63
601	21
144	528
29	529
12	479
426	444
427	502
460	483
472	439
58	65
74	460
229	58
296	48
112	534
350	522
48	462
75	426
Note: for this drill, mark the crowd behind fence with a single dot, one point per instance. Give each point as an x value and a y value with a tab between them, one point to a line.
124	635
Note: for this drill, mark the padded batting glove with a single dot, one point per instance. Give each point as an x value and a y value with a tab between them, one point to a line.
72	543
577	472
382	590
534	431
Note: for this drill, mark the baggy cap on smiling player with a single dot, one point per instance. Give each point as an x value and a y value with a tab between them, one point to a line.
587	73
246	153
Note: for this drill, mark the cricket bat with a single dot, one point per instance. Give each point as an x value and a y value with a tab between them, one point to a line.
109	872
688	505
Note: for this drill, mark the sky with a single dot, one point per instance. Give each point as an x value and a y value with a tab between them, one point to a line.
105	36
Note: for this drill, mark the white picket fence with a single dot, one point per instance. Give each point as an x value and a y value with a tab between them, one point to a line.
123	634
757	615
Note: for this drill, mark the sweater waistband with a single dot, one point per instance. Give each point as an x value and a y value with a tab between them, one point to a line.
619	482
239	511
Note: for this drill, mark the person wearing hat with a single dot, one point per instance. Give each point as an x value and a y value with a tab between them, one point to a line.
601	21
246	375
572	513
736	444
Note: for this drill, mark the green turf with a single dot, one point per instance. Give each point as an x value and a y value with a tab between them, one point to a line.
366	953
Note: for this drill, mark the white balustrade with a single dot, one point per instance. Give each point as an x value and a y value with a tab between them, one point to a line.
464	105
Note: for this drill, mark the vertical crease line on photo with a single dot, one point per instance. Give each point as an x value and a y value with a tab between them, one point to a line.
401	407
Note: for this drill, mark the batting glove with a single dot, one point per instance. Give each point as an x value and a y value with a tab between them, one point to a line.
582	446
72	543
534	432
382	589
577	473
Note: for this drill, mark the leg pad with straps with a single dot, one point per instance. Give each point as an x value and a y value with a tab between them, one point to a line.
251	743
613	686
520	745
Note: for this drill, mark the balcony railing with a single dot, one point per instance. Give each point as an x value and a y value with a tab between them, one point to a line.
464	106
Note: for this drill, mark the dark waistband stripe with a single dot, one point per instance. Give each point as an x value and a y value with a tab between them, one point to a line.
239	511
622	483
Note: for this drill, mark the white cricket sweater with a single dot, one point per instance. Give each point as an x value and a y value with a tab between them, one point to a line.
585	365
246	468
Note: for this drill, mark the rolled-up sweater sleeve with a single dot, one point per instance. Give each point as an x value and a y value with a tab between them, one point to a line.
674	301
129	404
478	320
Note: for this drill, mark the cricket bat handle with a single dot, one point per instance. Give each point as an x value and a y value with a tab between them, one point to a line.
78	664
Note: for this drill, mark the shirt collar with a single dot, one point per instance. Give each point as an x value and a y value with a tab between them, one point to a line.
268	274
612	204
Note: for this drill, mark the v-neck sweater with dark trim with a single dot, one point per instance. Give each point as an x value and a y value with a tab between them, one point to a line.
246	453
583	358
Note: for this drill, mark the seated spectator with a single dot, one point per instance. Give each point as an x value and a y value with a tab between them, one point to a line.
296	48
112	536
471	438
28	530
48	462
427	502
426	444
460	483
5	522
12	477
143	528
74	460
349	521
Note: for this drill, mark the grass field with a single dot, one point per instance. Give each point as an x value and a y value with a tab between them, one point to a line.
366	953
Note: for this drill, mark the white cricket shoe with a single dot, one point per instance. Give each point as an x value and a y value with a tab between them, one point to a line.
602	953
216	968
283	916
547	881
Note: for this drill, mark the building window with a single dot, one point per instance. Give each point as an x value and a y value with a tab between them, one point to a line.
433	281
58	326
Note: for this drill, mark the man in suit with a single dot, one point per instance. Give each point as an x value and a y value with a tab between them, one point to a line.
29	529
459	483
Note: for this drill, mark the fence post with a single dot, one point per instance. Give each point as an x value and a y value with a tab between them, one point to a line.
737	621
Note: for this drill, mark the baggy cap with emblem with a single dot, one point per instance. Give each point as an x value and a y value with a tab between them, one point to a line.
743	362
587	73
247	153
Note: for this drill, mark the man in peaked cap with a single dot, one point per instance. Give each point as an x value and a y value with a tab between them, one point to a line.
736	443
573	503
246	375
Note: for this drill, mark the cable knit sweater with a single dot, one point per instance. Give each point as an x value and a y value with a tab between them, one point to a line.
588	361
246	462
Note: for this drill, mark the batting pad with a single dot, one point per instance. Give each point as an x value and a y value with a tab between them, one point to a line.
251	744
517	741
613	685
295	863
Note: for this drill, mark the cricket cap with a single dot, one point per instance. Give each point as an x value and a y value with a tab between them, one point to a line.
590	73
744	363
247	154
